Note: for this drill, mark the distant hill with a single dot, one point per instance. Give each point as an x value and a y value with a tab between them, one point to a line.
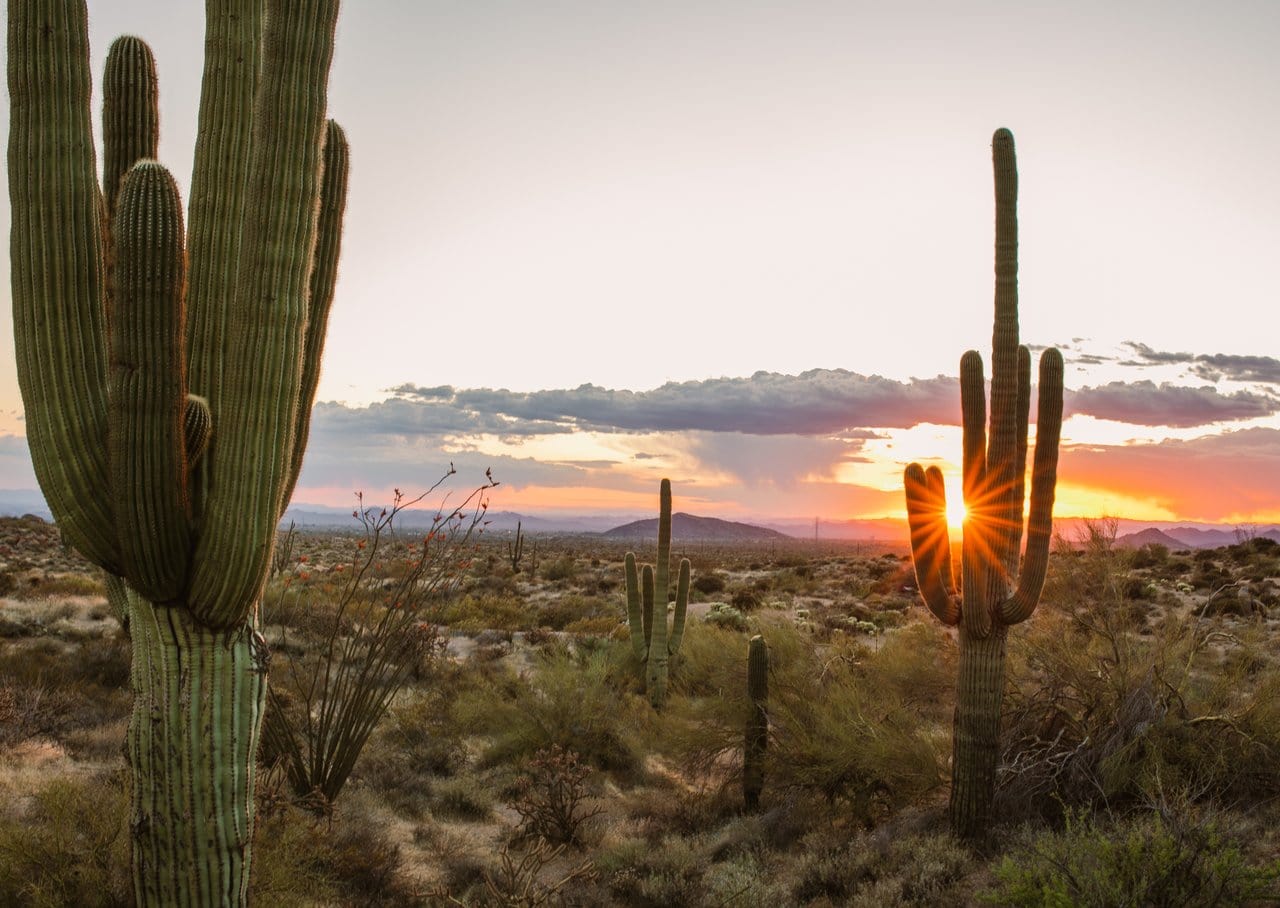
1212	539
1149	536
688	526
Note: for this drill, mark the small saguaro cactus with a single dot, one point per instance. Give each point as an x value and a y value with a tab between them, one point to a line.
168	378
756	739
647	612
515	550
994	469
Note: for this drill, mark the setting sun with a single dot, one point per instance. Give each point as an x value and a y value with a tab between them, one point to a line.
955	502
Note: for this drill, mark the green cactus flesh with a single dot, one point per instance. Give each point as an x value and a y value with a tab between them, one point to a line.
167	380
994	467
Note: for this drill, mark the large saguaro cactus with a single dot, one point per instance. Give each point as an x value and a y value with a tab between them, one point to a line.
168	380
994	471
647	612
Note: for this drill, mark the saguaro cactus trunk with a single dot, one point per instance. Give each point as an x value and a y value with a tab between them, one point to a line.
168	379
994	469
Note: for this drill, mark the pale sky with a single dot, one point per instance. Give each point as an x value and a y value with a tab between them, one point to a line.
549	194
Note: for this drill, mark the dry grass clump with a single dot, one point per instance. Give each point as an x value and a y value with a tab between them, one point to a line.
66	843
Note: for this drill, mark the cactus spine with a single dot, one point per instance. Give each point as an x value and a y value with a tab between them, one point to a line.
756	739
994	472
167	379
647	612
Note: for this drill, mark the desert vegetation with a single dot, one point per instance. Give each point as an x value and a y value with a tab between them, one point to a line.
454	719
521	762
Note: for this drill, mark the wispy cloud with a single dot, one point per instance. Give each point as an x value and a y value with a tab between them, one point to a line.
1211	367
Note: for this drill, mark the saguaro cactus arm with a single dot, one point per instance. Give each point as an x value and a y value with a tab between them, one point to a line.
148	397
1044	478
682	608
977	546
930	545
324	279
130	113
635	617
256	411
56	249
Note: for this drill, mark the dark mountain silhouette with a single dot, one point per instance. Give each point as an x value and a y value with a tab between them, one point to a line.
1149	536
688	526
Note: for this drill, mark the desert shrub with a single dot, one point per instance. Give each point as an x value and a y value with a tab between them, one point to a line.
708	583
560	569
519	880
744	880
1098	713
55	693
1151	555
465	797
884	872
839	733
654	875
1152	859
552	797
323	709
479	612
68	844
746	599
727	617
289	867
835	727
562	611
301	860
569	699
58	585
599	625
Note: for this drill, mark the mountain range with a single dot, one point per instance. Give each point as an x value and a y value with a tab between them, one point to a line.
1131	533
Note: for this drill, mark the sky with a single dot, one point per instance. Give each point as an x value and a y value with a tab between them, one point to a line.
744	245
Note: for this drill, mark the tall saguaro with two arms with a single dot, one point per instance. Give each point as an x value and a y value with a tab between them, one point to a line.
168	379
995	591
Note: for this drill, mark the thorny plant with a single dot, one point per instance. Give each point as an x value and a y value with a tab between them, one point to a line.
517	885
376	634
1095	690
552	795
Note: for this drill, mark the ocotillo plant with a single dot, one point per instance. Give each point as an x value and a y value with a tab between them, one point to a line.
647	612
167	396
756	739
994	471
515	550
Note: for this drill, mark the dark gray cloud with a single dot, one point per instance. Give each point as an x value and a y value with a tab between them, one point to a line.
1144	403
1211	366
817	402
434	415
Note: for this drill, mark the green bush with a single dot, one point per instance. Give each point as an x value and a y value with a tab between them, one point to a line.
569	699
727	617
708	583
67	845
1144	860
